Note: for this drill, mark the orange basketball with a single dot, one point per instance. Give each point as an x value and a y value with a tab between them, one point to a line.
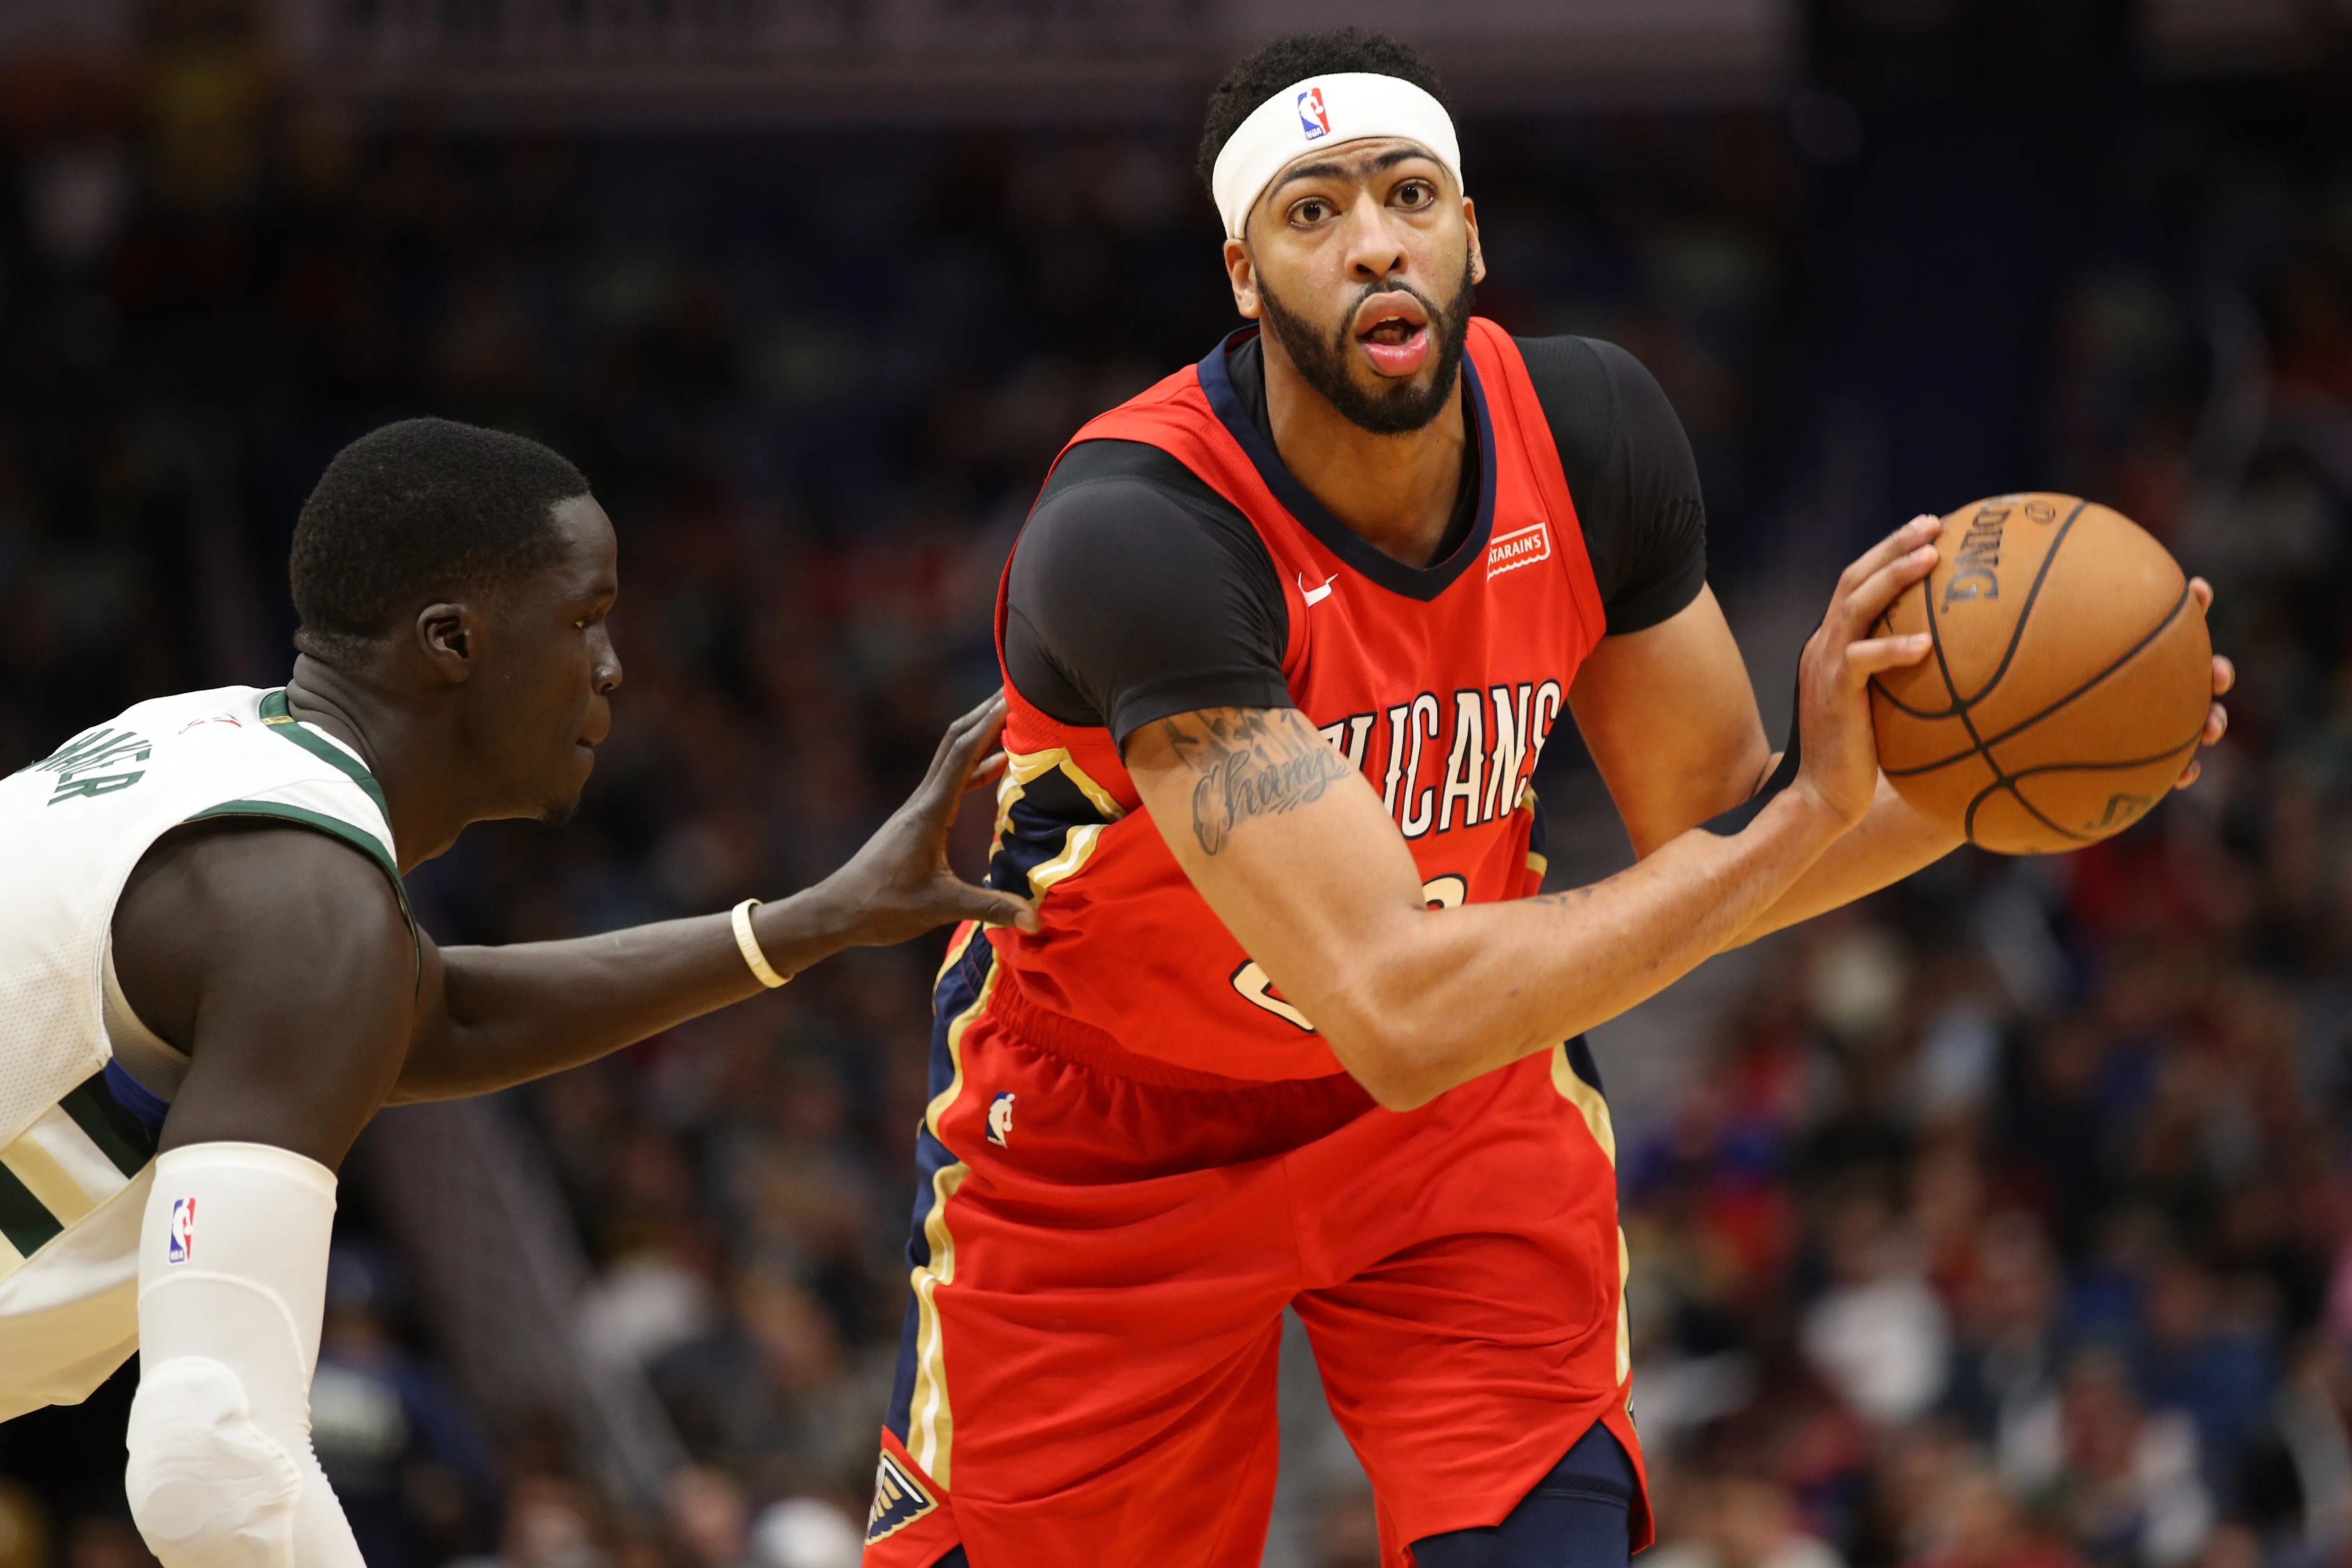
2068	683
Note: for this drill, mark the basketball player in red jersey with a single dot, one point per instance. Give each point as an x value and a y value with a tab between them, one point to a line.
1283	639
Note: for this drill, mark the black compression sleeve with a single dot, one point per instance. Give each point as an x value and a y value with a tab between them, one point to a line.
1736	819
1631	473
1138	592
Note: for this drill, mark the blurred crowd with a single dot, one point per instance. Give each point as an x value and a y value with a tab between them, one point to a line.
2002	1229
2008	1224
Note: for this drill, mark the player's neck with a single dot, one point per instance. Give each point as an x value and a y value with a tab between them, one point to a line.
403	746
1396	492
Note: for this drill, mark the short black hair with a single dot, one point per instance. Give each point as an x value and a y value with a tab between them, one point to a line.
1296	58
416	511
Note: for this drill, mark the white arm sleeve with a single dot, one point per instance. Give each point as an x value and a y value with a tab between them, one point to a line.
232	1286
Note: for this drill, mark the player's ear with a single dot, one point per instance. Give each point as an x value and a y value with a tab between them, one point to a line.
1241	271
1477	254
448	636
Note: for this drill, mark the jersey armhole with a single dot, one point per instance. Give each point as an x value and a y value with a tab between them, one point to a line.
334	828
1527	413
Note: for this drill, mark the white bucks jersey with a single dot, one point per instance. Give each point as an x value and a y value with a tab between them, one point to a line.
79	1101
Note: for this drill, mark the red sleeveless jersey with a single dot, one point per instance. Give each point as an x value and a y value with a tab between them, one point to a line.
1444	703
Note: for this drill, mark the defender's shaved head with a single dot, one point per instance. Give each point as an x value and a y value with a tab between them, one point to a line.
418	511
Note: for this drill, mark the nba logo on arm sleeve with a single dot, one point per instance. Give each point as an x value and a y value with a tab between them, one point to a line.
181	1243
1312	120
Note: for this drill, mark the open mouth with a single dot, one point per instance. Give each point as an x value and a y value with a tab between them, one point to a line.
1393	330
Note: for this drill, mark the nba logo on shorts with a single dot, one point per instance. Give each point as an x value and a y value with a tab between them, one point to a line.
182	1240
1000	1120
1311	117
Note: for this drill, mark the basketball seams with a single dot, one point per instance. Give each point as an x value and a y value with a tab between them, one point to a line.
1904	707
1886	619
2024	613
2146	641
1960	705
1963	708
2009	782
1962	755
2149	760
1969	824
1959	712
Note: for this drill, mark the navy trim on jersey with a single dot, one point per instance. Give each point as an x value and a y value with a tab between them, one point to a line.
1423	582
1581	1062
958	989
1037	828
136	1098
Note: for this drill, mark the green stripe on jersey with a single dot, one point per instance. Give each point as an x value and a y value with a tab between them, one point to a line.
121	1137
28	1226
279	718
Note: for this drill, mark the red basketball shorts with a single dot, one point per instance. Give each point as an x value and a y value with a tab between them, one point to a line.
1102	1250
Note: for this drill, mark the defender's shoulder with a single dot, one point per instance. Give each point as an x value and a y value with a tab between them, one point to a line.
252	902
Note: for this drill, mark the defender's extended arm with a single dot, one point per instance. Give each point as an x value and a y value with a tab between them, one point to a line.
281	962
501	1015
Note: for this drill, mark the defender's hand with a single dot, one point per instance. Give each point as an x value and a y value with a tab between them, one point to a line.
898	886
1841	750
2225	676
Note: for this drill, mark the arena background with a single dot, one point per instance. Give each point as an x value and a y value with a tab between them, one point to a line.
2001	1222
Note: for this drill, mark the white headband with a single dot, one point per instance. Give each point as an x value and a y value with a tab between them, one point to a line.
1323	112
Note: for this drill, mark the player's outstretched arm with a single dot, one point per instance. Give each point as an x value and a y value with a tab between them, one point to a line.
1671	722
1292	849
1893	840
502	1016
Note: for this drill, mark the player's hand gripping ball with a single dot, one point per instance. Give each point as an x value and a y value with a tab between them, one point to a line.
2069	683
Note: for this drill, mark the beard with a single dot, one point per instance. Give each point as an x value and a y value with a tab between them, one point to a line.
1324	363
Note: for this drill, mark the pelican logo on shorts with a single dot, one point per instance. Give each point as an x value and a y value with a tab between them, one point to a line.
1313	120
180	1241
1521	547
899	1499
1000	1120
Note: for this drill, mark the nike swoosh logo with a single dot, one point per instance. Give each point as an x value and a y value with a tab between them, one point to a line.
1317	596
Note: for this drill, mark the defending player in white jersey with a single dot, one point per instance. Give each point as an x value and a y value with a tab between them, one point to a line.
210	979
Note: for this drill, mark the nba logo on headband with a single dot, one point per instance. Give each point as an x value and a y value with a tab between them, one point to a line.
1312	120
1366	105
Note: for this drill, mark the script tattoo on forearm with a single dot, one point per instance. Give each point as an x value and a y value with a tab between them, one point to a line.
1252	761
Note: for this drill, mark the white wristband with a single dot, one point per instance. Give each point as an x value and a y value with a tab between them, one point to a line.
749	945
